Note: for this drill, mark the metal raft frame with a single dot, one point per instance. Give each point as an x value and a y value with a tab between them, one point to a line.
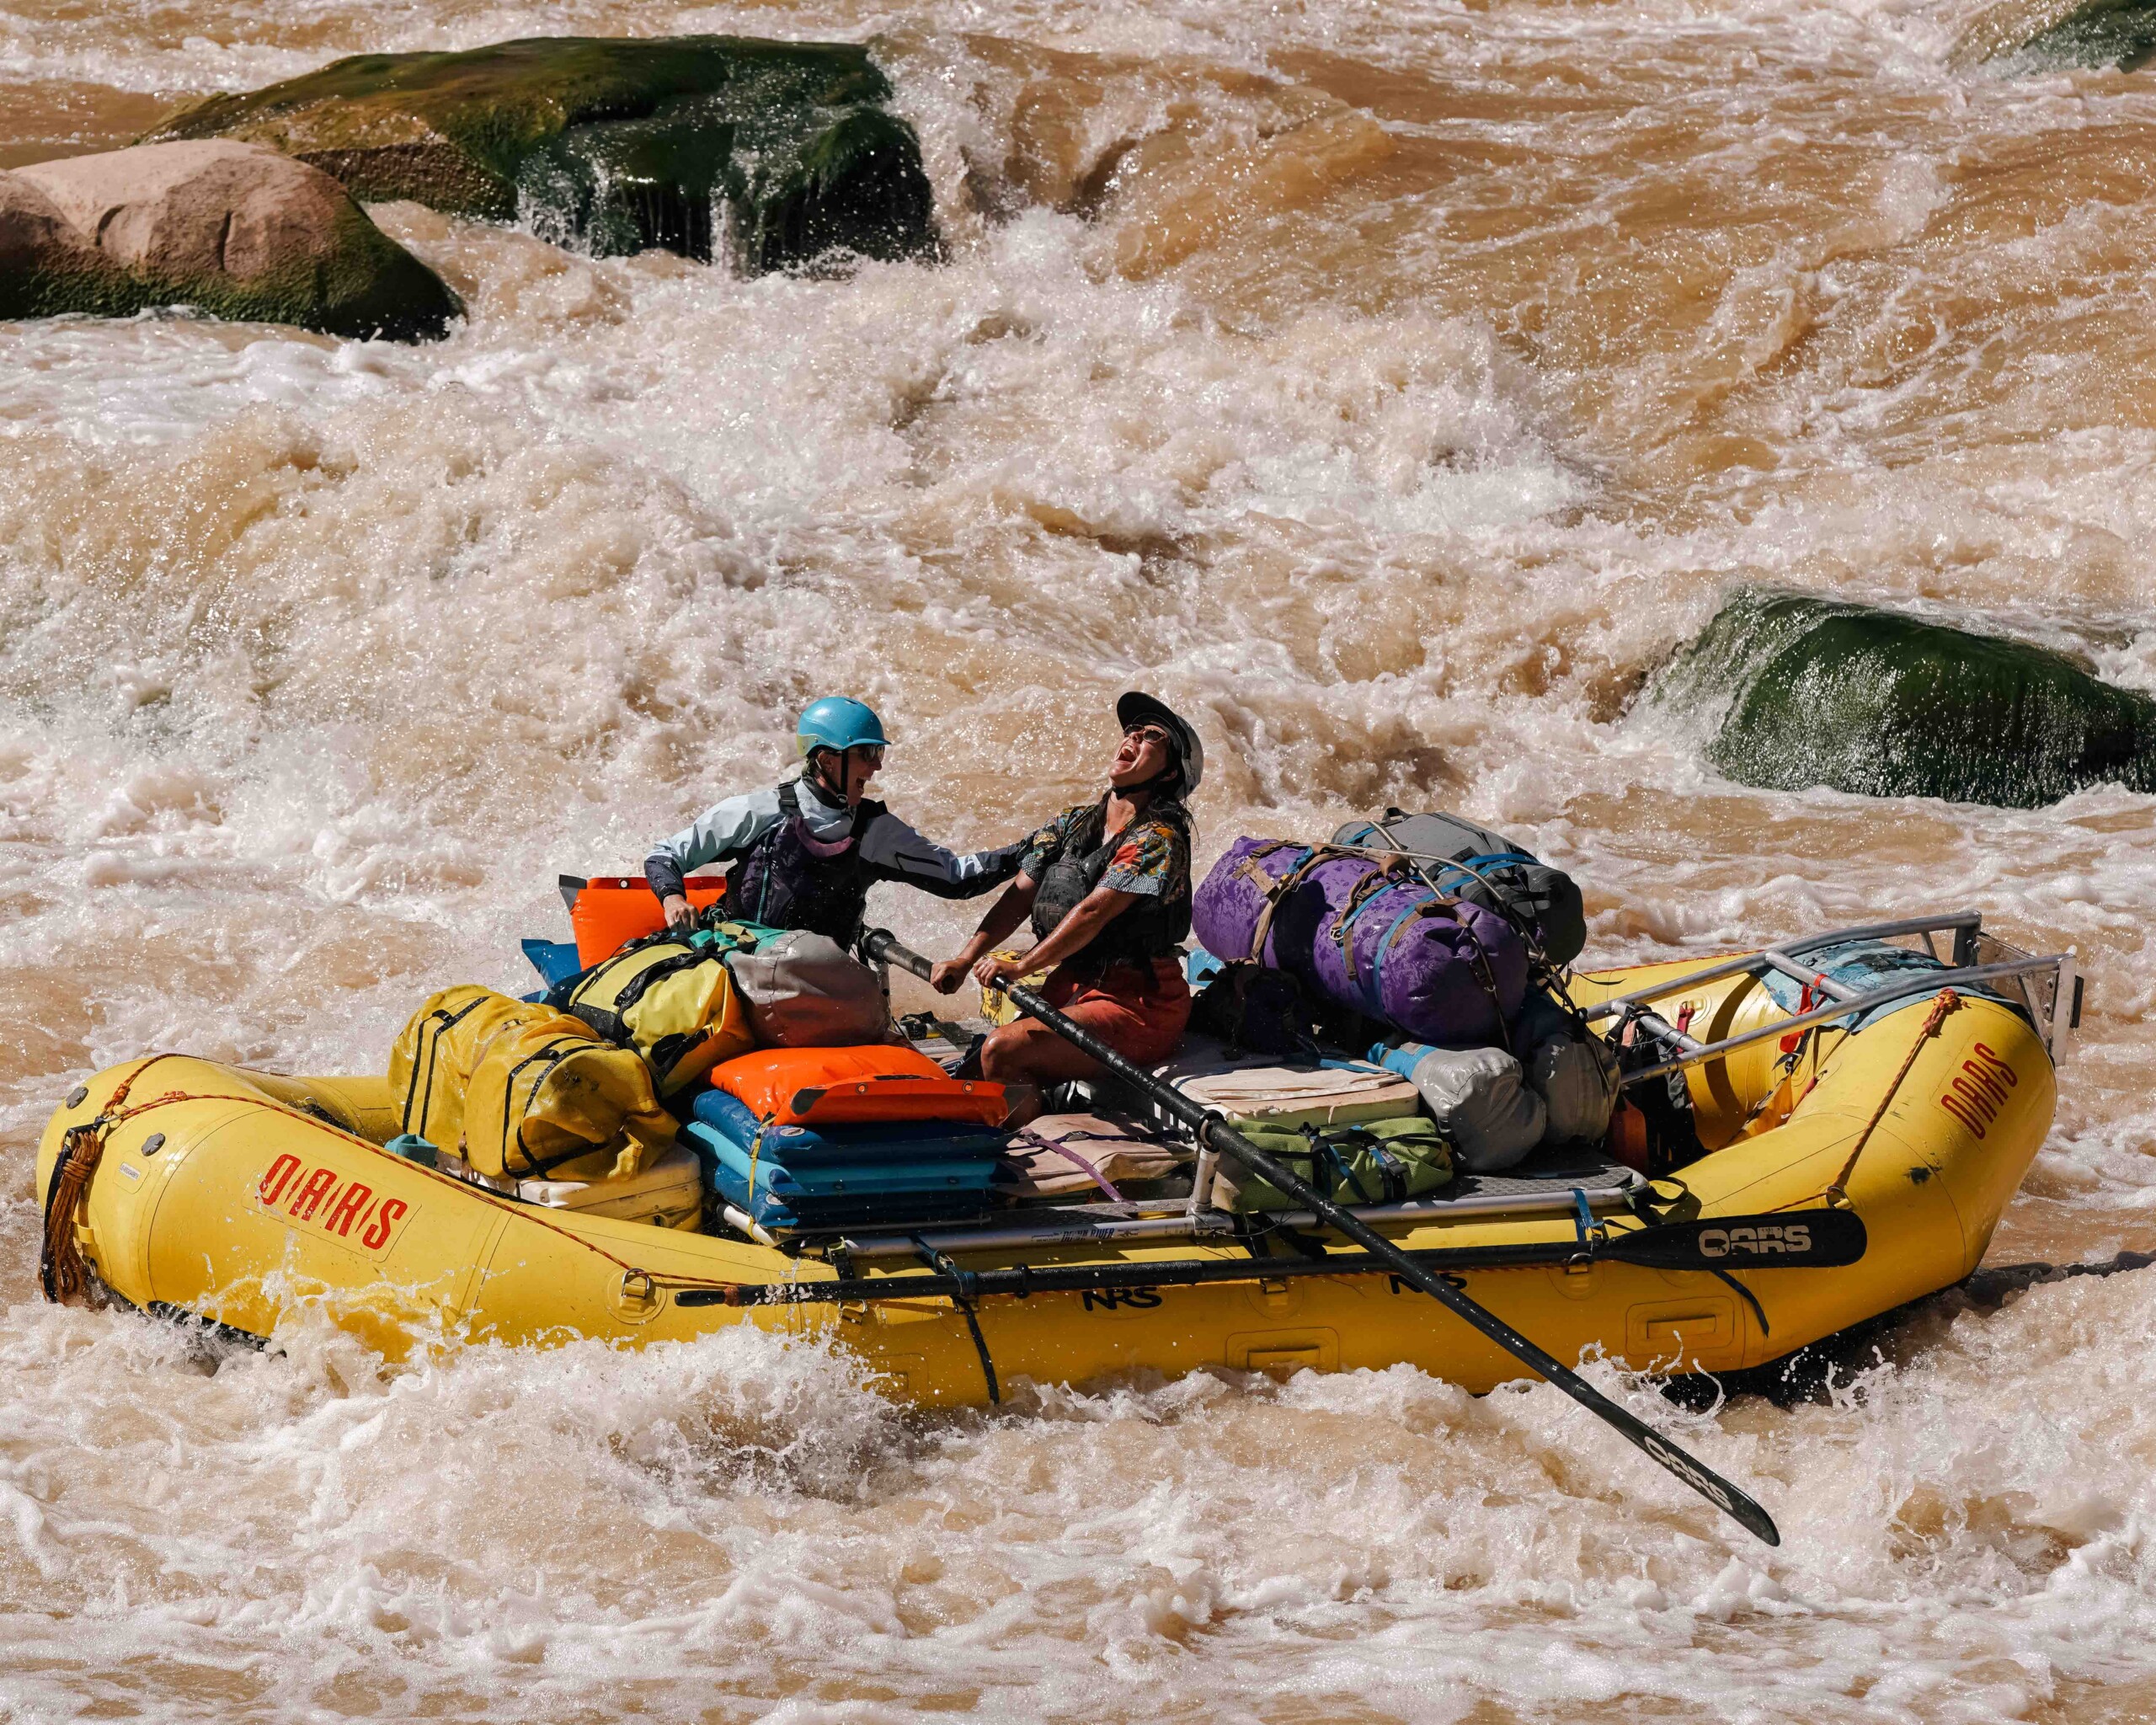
2015	974
1180	1223
1975	960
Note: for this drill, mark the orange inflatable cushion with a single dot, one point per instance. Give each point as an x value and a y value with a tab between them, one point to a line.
837	1086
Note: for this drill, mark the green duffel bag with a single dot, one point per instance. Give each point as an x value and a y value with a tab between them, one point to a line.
1368	1161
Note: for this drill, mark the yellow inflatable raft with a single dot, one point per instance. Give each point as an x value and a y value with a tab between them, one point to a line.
239	1198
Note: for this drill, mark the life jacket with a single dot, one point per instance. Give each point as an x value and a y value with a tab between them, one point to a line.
1149	927
791	879
673	1000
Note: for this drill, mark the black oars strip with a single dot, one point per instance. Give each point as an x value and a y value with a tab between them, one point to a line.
1824	1239
1212	1129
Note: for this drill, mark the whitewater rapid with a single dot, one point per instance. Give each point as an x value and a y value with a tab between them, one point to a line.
1392	388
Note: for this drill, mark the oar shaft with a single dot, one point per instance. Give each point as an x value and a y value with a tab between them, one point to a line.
1027	1279
1212	1129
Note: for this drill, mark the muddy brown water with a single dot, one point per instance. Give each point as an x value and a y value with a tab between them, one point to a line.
1393	388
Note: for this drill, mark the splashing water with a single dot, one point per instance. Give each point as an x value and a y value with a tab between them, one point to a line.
1394	389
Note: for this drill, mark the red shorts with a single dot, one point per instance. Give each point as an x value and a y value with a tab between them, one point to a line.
1139	1013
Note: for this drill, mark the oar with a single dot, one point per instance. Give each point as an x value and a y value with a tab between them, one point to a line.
883	947
1788	1239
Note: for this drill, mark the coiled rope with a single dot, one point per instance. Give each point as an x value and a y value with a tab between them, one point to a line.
61	1271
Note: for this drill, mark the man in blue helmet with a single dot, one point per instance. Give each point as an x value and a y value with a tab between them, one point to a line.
806	853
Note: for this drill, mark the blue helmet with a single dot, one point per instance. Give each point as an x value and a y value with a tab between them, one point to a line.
838	721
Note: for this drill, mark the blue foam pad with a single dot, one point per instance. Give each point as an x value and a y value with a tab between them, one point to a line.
809	1146
834	1194
851	1180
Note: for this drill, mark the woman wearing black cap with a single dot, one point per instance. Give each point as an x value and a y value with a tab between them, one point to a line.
1108	884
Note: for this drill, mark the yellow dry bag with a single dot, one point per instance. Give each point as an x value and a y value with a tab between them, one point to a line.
431	1063
548	1099
673	1002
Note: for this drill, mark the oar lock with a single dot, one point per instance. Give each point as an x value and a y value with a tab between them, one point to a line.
1591	1233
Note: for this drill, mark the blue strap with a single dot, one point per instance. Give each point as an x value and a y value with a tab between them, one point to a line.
1472	866
1582	1217
1324	1150
1344	931
1384	946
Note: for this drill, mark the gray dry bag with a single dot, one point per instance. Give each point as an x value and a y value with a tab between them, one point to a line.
1492	871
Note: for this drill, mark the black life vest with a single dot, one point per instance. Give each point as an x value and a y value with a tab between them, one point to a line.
1149	927
791	879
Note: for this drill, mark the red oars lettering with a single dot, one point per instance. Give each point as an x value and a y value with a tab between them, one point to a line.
308	1199
342	1209
339	1219
275	1178
1975	1094
391	1211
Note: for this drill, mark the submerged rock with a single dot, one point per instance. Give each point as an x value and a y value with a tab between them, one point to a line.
1824	693
232	230
1172	154
2120	35
615	145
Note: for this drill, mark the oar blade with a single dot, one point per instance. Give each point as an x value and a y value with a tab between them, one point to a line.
1802	1239
1738	1505
879	946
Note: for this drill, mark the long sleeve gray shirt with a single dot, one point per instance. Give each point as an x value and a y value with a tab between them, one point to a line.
888	845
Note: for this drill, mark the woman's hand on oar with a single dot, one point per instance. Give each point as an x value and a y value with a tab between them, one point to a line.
880	946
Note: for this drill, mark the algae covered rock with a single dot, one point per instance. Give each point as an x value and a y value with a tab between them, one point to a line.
1824	692
616	145
229	229
2120	35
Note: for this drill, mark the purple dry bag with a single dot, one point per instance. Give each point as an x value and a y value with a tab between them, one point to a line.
1367	933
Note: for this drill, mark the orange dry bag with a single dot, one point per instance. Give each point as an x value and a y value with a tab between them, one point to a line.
833	1087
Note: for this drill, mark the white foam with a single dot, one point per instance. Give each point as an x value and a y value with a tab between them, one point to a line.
319	659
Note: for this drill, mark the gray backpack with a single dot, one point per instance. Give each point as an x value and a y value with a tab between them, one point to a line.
1496	874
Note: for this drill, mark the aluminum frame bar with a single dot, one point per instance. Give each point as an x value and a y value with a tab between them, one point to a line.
870	1248
1810	978
1913	986
1786	950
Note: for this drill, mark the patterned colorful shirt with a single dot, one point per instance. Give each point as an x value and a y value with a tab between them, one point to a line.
1153	859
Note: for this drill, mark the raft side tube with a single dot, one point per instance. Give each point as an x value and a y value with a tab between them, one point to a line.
254	1205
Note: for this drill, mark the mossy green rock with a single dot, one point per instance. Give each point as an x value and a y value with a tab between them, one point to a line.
2120	35
615	145
1824	693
